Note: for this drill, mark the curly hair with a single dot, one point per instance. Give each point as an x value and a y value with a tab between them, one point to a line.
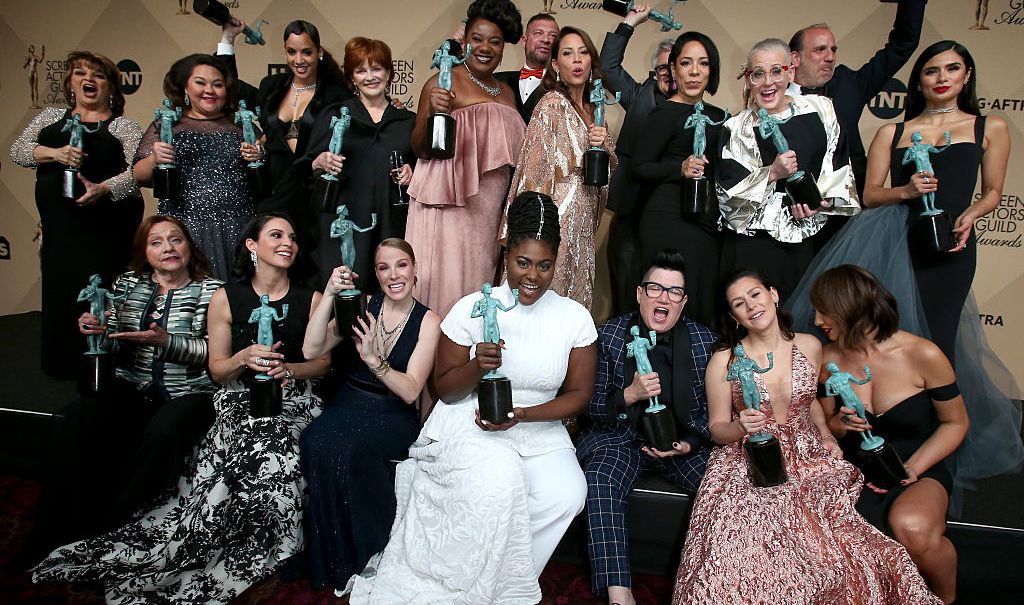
101	64
858	302
176	80
533	215
502	13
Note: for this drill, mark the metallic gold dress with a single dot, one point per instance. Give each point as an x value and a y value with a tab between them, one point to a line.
551	162
798	543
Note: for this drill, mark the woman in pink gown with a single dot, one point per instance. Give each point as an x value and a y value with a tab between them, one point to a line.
801	542
455	205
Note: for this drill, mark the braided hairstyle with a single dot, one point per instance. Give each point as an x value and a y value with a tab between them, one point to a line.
533	215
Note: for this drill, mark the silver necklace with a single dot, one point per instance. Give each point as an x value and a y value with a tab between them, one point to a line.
298	89
491	90
941	110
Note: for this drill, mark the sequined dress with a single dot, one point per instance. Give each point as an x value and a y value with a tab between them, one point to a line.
214	200
551	162
798	543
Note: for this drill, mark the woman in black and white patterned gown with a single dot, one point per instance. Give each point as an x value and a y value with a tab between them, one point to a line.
238	515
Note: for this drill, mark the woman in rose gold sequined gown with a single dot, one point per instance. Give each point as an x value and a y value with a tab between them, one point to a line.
801	542
551	161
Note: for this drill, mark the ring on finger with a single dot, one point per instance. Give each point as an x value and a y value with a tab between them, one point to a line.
845	419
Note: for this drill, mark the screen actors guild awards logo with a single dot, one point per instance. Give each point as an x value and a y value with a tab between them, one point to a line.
1001	228
5	248
32	66
1013	15
403	78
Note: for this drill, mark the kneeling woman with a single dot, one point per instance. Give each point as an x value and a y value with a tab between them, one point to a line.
372	420
238	515
802	541
912	401
482	506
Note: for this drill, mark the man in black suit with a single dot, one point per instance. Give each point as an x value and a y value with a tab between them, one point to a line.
538	39
638	100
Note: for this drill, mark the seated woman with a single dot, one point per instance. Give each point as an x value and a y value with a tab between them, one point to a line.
372	420
161	403
912	401
238	514
769	234
482	506
802	541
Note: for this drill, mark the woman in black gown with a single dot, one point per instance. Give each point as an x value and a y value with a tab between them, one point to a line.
667	158
93	233
377	130
372	420
942	99
912	401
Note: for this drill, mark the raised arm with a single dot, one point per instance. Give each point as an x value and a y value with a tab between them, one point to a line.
902	41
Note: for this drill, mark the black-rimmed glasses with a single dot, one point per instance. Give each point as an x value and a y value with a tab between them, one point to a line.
653	290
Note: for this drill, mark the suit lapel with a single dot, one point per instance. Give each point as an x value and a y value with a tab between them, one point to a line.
682	374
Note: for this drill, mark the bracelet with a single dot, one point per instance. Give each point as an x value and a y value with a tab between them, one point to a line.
288	373
382	369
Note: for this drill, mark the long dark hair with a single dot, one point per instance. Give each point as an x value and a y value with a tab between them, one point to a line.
328	71
729	330
198	266
967	100
551	83
714	60
176	79
244	270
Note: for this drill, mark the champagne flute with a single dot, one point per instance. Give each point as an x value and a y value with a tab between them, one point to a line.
395	163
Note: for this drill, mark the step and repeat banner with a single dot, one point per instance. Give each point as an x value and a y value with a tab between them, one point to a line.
145	36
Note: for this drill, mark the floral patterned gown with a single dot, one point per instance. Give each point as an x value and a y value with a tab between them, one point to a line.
801	542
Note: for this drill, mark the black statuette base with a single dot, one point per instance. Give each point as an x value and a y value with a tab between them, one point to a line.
696	196
495	398
595	167
441	136
165	183
72	187
97	374
882	466
265	397
765	463
346	310
803	190
660	429
934	232
325	194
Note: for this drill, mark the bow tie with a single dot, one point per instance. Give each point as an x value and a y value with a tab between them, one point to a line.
813	90
525	73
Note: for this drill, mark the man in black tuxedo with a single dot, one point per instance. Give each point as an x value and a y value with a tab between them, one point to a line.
538	39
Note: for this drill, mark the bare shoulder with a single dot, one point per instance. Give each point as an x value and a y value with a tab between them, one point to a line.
808	345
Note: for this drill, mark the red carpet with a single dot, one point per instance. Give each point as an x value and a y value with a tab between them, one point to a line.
561	583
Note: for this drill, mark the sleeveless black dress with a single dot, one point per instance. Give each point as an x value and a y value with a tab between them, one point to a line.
944	279
345	458
79	241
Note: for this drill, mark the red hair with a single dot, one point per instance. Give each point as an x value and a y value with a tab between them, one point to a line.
360	50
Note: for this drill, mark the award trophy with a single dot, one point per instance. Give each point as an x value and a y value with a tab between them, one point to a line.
800	187
73	188
98	364
165	176
882	465
622	8
933	228
348	304
441	126
697	197
657	420
494	391
218	13
595	159
253	170
265	393
325	189
764	454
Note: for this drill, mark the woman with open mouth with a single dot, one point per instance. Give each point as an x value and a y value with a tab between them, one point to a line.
455	204
766	231
212	196
551	161
93	232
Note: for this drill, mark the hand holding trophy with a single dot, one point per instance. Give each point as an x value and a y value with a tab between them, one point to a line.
764	454
657	420
494	392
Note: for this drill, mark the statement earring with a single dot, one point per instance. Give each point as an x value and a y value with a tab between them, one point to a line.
558	76
590	78
189	104
74	99
255	261
110	101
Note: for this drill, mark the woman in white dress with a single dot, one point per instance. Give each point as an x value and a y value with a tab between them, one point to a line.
482	506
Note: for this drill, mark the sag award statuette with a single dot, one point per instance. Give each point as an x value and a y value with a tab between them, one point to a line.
218	14
764	455
441	126
697	191
800	187
98	367
254	174
325	190
622	8
933	227
657	420
494	391
595	159
348	304
73	188
265	392
882	464
165	176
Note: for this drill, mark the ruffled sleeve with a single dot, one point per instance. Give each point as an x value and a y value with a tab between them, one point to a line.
836	181
129	132
28	140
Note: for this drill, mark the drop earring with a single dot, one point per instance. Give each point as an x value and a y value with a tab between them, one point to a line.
187	102
74	99
558	76
110	101
255	261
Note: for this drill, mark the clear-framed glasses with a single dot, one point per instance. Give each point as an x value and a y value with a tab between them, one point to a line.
757	76
653	290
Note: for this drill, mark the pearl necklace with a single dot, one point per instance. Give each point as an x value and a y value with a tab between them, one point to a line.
298	89
491	90
941	110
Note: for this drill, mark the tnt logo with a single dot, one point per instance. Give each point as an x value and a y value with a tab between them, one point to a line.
131	76
889	103
5	248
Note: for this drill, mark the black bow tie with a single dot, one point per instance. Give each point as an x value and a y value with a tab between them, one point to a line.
812	90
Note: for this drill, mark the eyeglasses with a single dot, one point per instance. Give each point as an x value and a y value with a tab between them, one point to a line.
662	69
653	290
775	74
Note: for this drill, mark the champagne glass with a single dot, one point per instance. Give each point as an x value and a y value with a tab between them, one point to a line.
395	163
